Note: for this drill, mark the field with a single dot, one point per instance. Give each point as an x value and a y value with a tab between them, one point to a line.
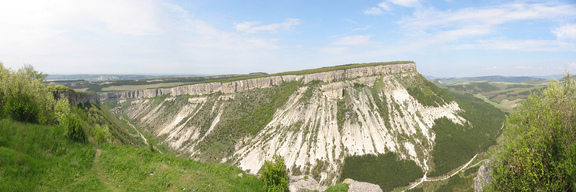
138	87
503	95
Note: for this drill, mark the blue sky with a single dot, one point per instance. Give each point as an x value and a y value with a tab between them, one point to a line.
446	38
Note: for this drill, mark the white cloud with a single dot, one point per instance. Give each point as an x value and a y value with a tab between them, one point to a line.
353	40
566	32
406	3
384	6
253	27
362	28
379	9
130	36
373	11
488	17
429	26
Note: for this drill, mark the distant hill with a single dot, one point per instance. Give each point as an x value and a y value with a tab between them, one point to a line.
106	77
495	78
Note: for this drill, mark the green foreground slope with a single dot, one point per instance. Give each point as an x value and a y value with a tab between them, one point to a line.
38	158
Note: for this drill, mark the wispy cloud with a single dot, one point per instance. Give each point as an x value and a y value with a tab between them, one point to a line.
373	11
520	45
253	26
444	26
55	36
566	32
362	28
353	40
406	3
387	6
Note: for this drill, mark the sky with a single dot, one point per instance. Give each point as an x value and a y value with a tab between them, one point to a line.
446	38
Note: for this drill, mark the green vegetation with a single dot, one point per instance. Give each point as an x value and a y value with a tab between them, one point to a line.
426	92
274	175
456	144
458	183
340	187
500	94
24	96
61	147
39	158
247	114
382	170
539	150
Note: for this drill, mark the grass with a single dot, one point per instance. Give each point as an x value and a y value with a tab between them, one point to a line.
385	170
340	187
38	158
489	102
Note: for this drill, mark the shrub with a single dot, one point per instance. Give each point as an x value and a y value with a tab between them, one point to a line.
73	128
21	108
274	175
539	153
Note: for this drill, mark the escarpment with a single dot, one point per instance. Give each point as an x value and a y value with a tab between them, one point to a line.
315	120
263	82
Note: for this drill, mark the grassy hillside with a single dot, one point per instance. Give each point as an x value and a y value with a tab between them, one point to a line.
456	144
39	158
503	95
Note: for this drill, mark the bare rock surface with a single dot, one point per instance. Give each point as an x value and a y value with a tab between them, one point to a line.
357	186
304	183
483	178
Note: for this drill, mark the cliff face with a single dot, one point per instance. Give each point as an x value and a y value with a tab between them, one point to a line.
76	98
264	82
315	121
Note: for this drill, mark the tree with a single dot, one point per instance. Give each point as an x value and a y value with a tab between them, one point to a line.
274	175
24	95
539	152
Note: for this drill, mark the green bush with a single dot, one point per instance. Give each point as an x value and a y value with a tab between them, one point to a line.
21	108
24	96
73	128
274	175
539	152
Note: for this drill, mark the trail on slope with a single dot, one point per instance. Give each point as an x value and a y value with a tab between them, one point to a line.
134	127
441	178
100	173
139	133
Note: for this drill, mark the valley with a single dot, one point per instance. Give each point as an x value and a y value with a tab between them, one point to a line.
317	121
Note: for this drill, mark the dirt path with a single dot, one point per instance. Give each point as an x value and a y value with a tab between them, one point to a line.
139	133
100	173
134	127
441	178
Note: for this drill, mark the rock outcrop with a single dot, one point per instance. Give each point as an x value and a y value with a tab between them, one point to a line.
357	186
304	183
263	82
76	98
483	178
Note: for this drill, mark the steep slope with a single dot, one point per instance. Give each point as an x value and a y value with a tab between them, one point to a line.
314	120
